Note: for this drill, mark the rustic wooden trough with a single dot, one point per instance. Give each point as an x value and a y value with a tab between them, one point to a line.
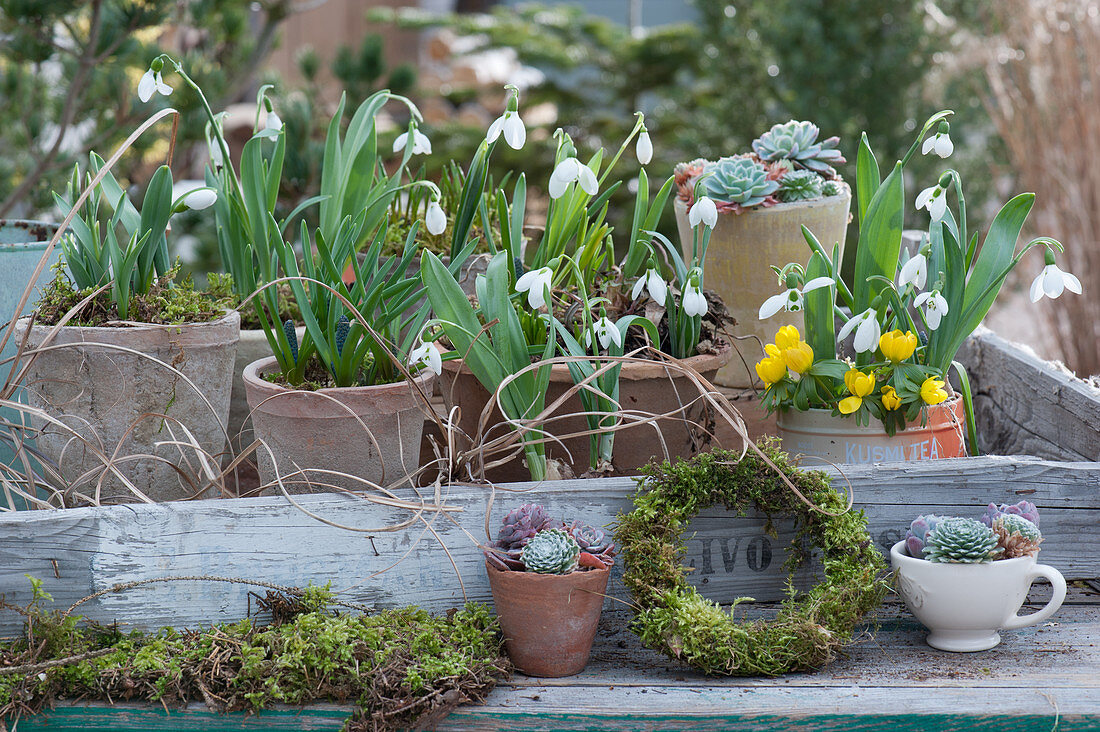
1028	407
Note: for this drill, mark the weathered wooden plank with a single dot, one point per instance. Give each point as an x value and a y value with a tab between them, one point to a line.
79	552
1028	406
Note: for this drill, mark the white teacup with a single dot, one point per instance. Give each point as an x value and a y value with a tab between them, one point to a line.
963	605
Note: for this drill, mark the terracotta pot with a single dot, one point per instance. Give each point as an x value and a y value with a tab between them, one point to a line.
252	347
321	430
964	605
742	249
106	394
817	433
642	386
549	620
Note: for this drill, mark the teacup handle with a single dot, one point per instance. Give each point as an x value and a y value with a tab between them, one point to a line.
1057	583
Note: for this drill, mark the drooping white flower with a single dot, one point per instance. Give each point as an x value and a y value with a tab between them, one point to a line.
273	124
606	333
933	198
940	143
568	171
1052	281
200	198
535	283
644	148
935	307
217	157
792	299
515	133
867	330
435	221
654	283
694	302
703	210
427	356
421	145
914	271
151	81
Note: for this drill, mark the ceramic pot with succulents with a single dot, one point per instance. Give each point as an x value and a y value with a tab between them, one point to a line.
964	579
549	581
763	199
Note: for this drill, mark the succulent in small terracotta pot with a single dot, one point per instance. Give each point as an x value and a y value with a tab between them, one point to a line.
549	580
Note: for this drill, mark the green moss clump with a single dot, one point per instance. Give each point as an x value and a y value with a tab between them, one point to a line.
809	628
397	667
166	303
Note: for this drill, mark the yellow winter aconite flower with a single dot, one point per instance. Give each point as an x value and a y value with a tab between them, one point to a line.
859	385
897	346
771	369
799	357
772	350
787	337
932	391
890	398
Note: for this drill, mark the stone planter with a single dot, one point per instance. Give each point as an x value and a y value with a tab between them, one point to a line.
964	605
114	399
549	620
742	249
22	244
818	434
324	431
648	387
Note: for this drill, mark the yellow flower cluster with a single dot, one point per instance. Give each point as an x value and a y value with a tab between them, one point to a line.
896	347
932	391
859	385
788	352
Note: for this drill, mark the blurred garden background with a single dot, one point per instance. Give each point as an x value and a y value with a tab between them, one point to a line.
1023	77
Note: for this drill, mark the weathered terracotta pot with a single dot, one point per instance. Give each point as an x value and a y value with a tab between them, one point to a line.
321	430
105	395
818	434
742	249
642	387
549	620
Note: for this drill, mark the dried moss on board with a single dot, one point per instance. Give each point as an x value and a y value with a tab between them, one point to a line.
809	628
400	668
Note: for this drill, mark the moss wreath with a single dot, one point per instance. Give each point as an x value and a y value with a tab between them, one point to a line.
809	628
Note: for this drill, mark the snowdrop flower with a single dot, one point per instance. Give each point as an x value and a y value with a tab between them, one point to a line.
151	81
606	333
644	148
940	143
914	271
273	124
653	282
568	171
535	283
703	210
515	134
435	221
934	198
217	157
1052	281
791	300
935	307
200	198
425	355
693	301
421	145
867	330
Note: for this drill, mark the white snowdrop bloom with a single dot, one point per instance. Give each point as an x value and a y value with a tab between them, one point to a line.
426	355
1052	281
568	171
151	82
421	145
703	210
933	198
867	330
914	271
200	198
605	332
792	299
654	283
934	305
940	143
535	283
644	148
434	219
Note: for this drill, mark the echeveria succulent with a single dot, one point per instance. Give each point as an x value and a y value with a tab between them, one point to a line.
1023	508
552	551
1016	536
799	185
521	524
797	141
739	180
961	540
594	542
918	533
